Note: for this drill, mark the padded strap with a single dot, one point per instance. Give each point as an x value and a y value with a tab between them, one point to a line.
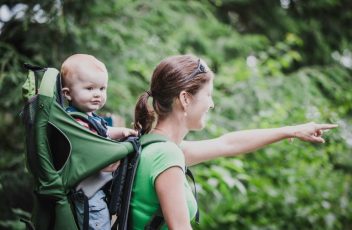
131	172
117	186
48	82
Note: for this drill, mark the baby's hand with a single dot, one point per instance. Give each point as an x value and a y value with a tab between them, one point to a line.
120	132
112	167
128	132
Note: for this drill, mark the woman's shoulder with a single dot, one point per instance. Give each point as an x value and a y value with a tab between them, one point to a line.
165	147
158	149
158	143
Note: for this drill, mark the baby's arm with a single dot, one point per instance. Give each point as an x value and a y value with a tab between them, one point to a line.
120	132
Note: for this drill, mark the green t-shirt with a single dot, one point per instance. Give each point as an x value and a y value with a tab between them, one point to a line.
155	159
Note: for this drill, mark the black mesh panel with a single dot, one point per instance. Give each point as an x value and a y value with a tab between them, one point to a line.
28	118
59	146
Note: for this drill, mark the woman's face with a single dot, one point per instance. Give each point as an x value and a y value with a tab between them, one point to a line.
200	104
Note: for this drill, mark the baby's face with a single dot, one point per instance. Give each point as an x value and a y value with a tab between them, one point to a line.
88	93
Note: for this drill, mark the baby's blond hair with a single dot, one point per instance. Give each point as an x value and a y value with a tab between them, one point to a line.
76	65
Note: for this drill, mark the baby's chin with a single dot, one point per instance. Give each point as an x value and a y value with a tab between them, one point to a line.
94	108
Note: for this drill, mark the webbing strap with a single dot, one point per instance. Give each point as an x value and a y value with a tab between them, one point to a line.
80	196
100	127
155	223
189	173
86	213
28	223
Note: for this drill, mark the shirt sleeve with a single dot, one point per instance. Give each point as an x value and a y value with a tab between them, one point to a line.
169	155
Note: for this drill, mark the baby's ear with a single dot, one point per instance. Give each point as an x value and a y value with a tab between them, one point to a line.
66	92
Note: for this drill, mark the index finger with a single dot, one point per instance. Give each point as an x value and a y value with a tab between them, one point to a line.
326	126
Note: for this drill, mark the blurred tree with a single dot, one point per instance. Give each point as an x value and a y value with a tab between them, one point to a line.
277	63
320	24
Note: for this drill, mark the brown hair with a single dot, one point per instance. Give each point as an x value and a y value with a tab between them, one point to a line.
173	75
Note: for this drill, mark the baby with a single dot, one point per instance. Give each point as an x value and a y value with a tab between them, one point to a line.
85	81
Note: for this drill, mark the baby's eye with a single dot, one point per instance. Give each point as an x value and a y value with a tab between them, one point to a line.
90	88
102	88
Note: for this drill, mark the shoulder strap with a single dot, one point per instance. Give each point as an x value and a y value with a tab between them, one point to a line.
122	185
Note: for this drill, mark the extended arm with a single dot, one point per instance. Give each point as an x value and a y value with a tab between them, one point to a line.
171	193
235	143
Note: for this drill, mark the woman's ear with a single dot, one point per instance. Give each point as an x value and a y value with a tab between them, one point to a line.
185	99
66	92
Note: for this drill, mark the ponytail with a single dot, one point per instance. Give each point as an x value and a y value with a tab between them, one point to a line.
143	115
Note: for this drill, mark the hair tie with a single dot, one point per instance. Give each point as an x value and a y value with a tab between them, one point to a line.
149	93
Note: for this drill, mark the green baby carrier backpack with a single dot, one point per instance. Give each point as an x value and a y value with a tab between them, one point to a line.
60	153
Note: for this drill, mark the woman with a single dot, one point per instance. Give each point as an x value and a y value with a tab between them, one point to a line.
181	89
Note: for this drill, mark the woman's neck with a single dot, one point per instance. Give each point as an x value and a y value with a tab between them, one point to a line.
172	129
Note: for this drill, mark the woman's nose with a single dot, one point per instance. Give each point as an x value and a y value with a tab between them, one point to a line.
211	104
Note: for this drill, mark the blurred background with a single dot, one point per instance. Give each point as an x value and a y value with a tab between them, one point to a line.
277	62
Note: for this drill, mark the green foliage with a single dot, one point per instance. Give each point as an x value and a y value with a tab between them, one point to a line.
275	65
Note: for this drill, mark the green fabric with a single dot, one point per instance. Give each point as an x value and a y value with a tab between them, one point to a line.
28	88
88	154
155	159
